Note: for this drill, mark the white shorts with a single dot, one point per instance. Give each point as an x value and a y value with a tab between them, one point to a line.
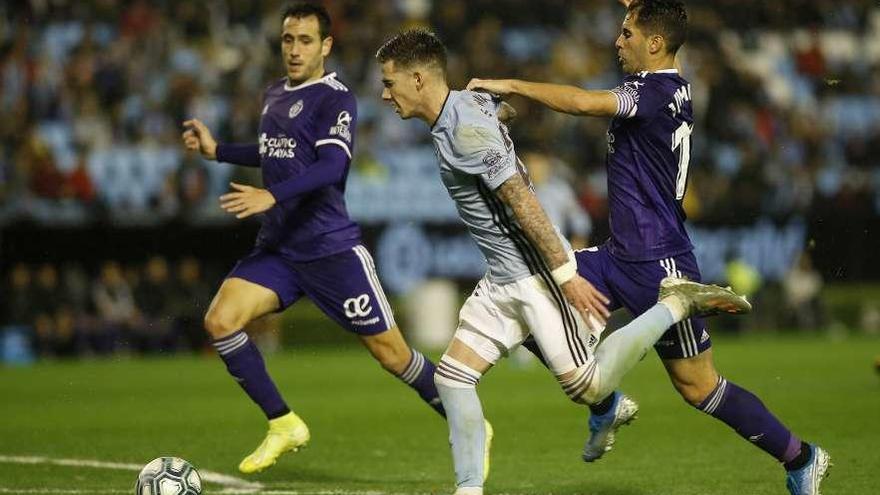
497	318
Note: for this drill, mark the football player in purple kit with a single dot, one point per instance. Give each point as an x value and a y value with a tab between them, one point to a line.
307	246
648	156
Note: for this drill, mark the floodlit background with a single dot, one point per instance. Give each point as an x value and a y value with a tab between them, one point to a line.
112	241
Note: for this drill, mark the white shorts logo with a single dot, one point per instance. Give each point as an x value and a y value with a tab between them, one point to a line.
358	306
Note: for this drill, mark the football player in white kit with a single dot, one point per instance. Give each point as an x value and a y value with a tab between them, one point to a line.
532	285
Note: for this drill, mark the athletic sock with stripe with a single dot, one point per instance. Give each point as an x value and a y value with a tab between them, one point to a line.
750	418
245	363
419	374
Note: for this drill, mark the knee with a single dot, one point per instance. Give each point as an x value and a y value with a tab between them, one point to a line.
219	323
443	381
452	374
583	386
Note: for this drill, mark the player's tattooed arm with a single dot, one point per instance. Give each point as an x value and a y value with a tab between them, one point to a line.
586	299
530	215
558	97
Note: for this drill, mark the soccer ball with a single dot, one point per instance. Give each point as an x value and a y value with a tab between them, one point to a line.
168	476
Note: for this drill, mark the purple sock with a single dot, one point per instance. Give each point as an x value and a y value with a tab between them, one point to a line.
746	414
245	364
419	374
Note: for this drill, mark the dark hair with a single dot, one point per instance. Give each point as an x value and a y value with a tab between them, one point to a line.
300	10
667	18
414	46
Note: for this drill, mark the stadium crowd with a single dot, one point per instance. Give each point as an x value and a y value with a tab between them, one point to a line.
65	312
786	95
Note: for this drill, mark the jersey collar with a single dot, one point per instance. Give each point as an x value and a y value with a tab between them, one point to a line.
442	109
288	87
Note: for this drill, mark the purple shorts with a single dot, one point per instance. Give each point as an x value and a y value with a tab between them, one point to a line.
344	285
634	286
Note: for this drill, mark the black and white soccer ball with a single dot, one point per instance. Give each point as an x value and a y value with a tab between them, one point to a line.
168	476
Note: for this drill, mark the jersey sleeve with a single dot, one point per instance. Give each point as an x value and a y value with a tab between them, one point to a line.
336	122
638	98
480	144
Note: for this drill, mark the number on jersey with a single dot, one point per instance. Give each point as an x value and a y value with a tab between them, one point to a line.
681	142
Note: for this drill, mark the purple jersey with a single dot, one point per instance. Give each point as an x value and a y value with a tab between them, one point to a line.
296	121
649	144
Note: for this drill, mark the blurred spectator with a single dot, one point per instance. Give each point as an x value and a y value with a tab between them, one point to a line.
48	301
37	165
802	287
17	339
78	184
558	199
153	328
189	302
115	307
19	298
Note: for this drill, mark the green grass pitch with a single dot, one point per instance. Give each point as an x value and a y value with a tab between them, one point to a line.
371	434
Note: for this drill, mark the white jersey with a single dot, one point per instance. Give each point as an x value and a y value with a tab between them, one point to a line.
477	156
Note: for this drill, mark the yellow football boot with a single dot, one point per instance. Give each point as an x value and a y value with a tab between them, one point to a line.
287	433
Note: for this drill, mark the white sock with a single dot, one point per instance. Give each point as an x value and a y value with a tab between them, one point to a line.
467	434
621	350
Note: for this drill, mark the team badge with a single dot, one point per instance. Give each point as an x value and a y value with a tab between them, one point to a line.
295	109
495	162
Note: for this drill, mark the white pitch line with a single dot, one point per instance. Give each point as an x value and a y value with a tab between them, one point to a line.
61	491
230	482
69	491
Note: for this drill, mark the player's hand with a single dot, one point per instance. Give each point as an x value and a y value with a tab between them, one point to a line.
246	200
506	113
197	137
587	300
500	87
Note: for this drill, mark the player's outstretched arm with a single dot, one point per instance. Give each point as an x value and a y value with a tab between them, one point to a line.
585	298
197	137
566	99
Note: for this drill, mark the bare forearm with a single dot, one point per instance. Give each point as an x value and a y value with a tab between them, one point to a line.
533	220
568	99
